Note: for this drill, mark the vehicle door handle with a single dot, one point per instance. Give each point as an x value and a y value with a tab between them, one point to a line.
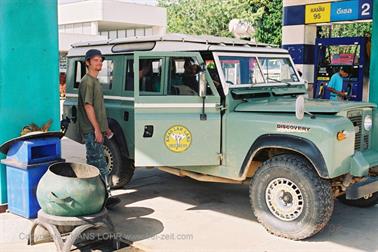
148	131
74	114
126	116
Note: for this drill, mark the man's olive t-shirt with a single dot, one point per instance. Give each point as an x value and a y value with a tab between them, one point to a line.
90	92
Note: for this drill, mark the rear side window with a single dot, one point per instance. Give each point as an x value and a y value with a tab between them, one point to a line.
80	71
129	80
105	76
150	74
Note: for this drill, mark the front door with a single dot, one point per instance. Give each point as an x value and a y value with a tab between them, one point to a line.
169	129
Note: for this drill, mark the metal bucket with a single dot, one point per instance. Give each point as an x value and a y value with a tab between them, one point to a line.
71	189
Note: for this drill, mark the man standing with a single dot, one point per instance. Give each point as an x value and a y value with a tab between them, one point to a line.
92	119
335	85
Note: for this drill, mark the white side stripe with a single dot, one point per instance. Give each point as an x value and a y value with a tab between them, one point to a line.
108	97
122	98
174	105
154	105
72	95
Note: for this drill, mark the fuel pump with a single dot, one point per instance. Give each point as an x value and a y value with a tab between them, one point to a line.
333	53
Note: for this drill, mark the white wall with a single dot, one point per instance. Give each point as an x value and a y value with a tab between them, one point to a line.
112	11
117	11
67	39
84	20
79	12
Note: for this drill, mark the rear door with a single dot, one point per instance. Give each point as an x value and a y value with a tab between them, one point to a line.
111	79
75	71
168	126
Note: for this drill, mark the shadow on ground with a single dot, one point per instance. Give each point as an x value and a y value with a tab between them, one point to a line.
347	227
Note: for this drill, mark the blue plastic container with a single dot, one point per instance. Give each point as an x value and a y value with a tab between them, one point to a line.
22	182
35	151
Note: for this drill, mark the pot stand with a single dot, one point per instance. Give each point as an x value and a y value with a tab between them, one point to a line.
81	223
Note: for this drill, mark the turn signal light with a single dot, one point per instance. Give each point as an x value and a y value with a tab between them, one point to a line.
341	135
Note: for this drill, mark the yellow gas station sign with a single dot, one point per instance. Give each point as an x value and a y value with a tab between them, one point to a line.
318	13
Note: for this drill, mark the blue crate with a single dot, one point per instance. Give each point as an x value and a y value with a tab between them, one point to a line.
35	151
22	182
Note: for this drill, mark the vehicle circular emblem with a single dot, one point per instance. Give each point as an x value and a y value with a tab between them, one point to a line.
178	138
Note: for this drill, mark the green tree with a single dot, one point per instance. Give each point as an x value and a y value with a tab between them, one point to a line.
209	17
345	30
269	25
212	17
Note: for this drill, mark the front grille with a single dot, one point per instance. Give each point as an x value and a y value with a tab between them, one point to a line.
357	122
366	142
362	138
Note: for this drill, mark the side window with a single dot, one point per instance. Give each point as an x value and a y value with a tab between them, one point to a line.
80	71
150	74
105	76
183	78
129	80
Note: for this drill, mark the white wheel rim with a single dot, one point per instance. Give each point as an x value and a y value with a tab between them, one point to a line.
109	158
284	199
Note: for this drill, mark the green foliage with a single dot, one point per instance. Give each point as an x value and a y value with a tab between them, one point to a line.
269	25
209	17
345	30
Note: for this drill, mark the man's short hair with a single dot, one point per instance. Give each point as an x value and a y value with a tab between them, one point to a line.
344	69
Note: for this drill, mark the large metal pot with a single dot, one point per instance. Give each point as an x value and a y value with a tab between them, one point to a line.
71	189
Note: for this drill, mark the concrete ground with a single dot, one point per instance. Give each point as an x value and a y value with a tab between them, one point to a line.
162	212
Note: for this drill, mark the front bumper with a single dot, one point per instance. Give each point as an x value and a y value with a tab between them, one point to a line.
362	188
361	162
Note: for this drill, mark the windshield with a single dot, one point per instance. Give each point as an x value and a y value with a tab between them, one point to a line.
241	70
249	70
278	69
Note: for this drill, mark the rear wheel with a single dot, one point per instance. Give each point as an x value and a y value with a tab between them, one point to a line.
121	169
289	198
363	202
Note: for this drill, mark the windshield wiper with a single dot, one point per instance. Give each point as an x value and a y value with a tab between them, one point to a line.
287	83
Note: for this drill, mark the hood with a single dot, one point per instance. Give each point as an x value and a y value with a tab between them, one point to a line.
311	105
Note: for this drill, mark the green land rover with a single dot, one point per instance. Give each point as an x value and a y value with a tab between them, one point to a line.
214	109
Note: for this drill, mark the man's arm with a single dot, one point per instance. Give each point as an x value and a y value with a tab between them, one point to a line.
331	87
89	109
336	92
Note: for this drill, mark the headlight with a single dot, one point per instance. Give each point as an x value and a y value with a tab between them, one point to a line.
368	122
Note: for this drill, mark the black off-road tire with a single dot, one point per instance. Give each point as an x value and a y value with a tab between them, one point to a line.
363	203
121	169
315	192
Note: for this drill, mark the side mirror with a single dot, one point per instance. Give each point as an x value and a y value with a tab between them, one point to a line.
202	84
299	107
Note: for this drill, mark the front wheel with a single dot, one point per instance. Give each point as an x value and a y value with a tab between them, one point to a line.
121	169
289	198
363	202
